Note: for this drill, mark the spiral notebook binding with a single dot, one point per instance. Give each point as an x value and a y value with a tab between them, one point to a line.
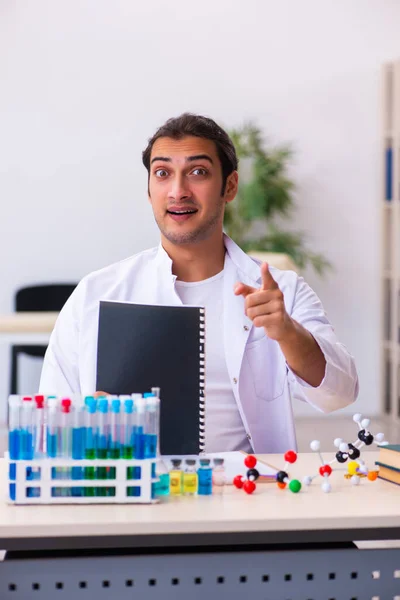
202	363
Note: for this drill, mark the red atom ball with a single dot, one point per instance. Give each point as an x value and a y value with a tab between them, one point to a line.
250	461
281	485
325	469
238	482
249	487
290	456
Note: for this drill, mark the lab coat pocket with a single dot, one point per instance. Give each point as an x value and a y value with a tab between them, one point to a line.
267	367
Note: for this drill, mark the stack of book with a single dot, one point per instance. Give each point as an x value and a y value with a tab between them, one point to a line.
389	463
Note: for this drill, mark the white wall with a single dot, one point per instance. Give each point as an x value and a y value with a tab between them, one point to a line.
84	84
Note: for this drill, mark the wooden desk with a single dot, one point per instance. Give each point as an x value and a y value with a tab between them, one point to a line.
27	327
368	511
196	546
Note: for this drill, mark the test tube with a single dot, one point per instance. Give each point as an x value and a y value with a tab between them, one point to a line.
78	432
151	425
65	437
90	441
26	439
40	427
65	440
102	441
14	405
127	429
140	405
115	429
78	441
52	427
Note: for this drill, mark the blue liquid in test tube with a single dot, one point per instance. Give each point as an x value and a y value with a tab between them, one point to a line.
140	404
14	406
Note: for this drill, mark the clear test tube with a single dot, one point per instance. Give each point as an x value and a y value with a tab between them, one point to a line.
152	425
52	427
14	407
39	432
115	429
127	429
26	434
140	436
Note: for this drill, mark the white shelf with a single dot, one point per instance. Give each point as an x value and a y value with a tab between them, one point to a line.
390	231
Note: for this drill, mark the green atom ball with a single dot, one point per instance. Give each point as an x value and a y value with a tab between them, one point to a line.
295	486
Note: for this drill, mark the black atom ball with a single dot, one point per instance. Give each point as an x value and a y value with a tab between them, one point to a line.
366	437
281	476
341	457
353	452
253	474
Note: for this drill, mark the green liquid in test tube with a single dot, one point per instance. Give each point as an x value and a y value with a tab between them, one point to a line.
90	442
65	441
102	439
128	431
114	451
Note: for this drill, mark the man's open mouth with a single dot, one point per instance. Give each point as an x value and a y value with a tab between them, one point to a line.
182	212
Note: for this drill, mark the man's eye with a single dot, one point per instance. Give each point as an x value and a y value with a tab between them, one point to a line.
160	173
199	171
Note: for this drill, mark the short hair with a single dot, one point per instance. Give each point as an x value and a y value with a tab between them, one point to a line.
189	124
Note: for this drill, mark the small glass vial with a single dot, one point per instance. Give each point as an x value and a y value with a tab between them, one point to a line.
205	477
161	487
218	476
175	478
190	479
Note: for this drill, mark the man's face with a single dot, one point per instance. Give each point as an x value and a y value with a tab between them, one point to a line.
185	187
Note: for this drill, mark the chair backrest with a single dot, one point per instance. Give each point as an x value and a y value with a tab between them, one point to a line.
42	298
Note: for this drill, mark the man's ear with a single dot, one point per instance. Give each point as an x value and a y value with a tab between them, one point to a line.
231	186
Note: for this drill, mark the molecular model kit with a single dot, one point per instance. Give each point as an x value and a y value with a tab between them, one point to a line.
347	452
351	452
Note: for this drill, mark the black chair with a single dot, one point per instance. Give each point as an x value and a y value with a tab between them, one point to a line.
37	298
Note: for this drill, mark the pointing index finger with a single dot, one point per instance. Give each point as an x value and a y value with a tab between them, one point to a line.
268	282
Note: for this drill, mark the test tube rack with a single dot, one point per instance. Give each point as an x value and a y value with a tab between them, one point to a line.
64	481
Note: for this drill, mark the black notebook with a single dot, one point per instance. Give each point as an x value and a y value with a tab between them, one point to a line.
144	346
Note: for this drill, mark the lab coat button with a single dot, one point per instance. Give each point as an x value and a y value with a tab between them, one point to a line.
234	380
245	327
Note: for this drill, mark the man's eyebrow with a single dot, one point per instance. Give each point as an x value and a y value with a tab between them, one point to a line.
200	157
163	158
188	158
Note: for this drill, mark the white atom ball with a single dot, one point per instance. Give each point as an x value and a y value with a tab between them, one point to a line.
343	447
363	469
355	480
326	487
379	437
365	423
307	480
357	417
337	442
315	445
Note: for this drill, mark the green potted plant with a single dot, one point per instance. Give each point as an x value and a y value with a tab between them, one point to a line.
265	193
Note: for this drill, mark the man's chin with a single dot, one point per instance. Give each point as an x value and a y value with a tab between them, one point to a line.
187	237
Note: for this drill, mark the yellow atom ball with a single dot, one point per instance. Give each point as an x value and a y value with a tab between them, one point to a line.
352	467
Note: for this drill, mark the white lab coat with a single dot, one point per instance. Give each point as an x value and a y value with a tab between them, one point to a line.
262	383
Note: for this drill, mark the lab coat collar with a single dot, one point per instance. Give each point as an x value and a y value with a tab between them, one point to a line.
248	268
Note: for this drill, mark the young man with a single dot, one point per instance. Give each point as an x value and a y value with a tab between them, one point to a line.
268	338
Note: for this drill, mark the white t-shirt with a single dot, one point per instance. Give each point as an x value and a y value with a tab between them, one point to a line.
224	425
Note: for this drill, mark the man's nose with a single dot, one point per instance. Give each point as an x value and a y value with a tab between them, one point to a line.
179	189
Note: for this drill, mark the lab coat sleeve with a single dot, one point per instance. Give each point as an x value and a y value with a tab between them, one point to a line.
339	386
60	372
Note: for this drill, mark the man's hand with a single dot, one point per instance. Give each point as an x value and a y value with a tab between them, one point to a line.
266	306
